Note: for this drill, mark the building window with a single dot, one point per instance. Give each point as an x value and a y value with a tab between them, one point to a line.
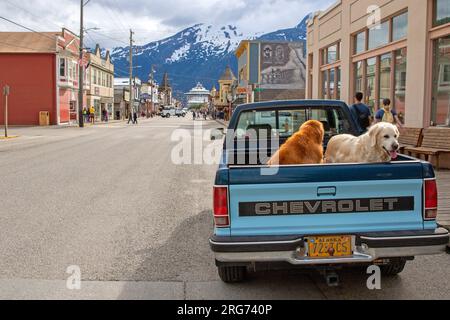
358	70
441	12
370	82
325	84
385	77
70	70
400	27
360	42
62	67
400	83
95	76
379	35
440	112
331	54
331	83
338	81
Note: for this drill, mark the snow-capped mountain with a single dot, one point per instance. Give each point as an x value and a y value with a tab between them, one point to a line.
197	54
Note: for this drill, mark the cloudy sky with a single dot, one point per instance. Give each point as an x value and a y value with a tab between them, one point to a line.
154	20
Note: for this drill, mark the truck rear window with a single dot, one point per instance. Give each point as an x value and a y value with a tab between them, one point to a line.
284	123
260	133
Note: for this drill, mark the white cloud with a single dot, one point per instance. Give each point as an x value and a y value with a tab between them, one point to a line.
154	20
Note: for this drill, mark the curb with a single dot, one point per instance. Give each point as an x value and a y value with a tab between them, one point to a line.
3	138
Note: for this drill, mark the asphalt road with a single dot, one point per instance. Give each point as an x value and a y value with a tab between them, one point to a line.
110	200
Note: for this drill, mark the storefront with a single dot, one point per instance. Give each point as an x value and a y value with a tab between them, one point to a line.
403	56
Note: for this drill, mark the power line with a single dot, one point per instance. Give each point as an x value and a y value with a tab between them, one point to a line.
110	38
32	14
119	19
34	31
29	29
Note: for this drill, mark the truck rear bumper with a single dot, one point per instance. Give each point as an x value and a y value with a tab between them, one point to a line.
366	248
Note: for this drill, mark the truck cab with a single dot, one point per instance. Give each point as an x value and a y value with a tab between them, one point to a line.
316	215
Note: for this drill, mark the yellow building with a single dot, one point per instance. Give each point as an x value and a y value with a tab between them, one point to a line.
222	99
226	82
101	88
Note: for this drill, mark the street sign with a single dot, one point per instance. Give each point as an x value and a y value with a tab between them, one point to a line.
259	90
6	90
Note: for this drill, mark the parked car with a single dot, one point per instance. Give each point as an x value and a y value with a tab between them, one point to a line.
320	215
168	112
180	113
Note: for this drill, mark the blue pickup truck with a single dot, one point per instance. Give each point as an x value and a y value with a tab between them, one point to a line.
321	216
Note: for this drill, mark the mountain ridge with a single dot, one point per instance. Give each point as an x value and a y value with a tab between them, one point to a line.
199	53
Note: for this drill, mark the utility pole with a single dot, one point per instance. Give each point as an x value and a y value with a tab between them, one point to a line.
151	88
80	68
6	94
131	74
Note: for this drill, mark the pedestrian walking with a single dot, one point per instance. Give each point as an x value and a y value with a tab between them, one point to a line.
387	114
361	112
105	115
85	115
135	117
194	115
92	114
130	117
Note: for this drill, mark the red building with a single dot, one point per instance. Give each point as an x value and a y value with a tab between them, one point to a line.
41	70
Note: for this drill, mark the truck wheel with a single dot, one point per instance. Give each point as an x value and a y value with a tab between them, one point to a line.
168	116
232	274
394	267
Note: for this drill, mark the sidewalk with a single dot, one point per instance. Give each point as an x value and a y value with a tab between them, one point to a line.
222	122
88	124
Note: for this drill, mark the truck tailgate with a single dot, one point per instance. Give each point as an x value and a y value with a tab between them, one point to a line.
326	199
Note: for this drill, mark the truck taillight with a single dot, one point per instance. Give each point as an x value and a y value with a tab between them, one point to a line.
431	199
221	217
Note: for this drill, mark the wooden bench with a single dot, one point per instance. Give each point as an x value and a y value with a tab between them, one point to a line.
410	138
436	141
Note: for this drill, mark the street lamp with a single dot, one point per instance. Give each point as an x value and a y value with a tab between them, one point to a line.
81	67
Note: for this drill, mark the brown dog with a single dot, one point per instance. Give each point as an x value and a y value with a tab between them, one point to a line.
304	147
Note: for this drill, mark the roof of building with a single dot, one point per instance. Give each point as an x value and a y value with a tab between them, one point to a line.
227	75
198	89
28	42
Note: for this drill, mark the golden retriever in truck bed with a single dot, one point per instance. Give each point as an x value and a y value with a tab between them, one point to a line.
379	144
304	147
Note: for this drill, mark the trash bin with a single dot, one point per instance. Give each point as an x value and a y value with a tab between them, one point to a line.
44	118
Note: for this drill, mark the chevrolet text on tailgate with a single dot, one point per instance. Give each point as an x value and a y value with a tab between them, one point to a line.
321	215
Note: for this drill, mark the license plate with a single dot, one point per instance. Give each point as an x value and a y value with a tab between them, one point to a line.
329	246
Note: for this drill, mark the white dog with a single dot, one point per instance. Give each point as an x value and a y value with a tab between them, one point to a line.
379	144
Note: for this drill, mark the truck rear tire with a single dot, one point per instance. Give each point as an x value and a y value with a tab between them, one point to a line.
232	274
394	267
